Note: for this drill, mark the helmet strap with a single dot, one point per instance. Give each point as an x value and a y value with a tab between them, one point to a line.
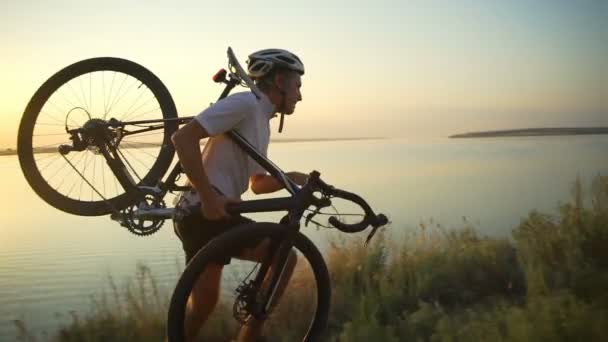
282	108
281	123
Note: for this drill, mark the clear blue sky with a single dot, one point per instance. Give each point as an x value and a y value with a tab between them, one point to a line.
381	68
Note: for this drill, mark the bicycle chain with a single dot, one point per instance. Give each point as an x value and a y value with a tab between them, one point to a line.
125	217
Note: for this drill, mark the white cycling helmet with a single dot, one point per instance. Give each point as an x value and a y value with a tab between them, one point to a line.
261	62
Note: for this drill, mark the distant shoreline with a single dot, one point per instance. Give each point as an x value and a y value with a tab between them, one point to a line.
531	132
13	151
290	140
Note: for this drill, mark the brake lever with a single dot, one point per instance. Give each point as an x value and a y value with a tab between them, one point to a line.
381	220
320	204
310	216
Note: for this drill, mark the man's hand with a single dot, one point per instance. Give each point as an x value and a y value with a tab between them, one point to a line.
298	177
214	207
263	184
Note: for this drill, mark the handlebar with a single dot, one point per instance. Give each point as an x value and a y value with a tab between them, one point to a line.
304	199
301	200
370	219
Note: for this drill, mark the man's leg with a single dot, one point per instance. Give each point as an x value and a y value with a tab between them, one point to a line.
253	329
203	298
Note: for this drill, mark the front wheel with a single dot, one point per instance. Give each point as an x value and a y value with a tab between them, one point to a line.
300	314
93	92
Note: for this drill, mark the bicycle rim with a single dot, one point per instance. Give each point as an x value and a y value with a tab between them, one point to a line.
82	183
300	314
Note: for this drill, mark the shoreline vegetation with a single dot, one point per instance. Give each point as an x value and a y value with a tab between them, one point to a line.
547	283
531	132
13	151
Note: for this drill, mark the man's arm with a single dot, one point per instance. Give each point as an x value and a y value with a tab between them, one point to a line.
263	184
187	145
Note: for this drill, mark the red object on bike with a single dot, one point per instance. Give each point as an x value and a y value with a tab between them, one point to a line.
220	76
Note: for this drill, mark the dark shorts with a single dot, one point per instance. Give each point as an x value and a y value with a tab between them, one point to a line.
195	232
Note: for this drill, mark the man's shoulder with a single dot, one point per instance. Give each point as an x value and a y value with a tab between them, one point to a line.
244	97
247	103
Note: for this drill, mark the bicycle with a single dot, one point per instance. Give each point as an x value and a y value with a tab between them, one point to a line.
138	204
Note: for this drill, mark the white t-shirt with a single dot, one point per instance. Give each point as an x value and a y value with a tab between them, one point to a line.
227	166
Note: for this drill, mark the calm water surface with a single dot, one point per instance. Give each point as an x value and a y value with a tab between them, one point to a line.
52	263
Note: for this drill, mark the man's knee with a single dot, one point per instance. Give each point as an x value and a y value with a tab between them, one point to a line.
206	290
257	253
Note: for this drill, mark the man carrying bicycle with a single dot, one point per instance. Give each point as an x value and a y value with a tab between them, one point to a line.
225	172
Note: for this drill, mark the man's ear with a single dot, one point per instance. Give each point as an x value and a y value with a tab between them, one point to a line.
280	81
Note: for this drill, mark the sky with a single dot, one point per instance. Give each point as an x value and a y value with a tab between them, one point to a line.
383	68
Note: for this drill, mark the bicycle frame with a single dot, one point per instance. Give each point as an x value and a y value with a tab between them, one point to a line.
169	184
139	205
295	204
107	143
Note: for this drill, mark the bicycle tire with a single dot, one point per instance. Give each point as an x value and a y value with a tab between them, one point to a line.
57	89
234	240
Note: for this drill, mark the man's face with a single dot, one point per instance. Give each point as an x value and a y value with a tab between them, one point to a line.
292	84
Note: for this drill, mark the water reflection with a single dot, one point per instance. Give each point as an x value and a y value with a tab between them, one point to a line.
52	262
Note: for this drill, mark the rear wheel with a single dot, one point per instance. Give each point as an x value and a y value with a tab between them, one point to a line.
302	312
94	91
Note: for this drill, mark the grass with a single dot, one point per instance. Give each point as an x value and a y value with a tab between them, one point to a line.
547	283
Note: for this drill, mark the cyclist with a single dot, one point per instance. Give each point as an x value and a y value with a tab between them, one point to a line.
225	171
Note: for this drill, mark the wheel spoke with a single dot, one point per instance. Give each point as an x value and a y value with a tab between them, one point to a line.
71	189
84	97
129	115
71	98
62	122
118	95
68	101
57	157
144	113
48	155
56	108
49	124
83	174
70	169
105	105
48	135
159	132
103	90
76	165
103	178
127	91
66	98
61	111
90	90
129	145
128	163
52	117
56	172
93	178
133	103
79	100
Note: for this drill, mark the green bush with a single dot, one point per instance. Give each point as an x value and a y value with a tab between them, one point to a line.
434	285
559	316
137	315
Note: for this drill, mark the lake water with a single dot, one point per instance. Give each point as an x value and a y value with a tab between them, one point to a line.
52	262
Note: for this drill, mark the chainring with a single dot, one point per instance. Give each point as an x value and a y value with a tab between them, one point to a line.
142	227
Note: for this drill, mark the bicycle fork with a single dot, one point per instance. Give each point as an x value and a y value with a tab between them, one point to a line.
278	256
